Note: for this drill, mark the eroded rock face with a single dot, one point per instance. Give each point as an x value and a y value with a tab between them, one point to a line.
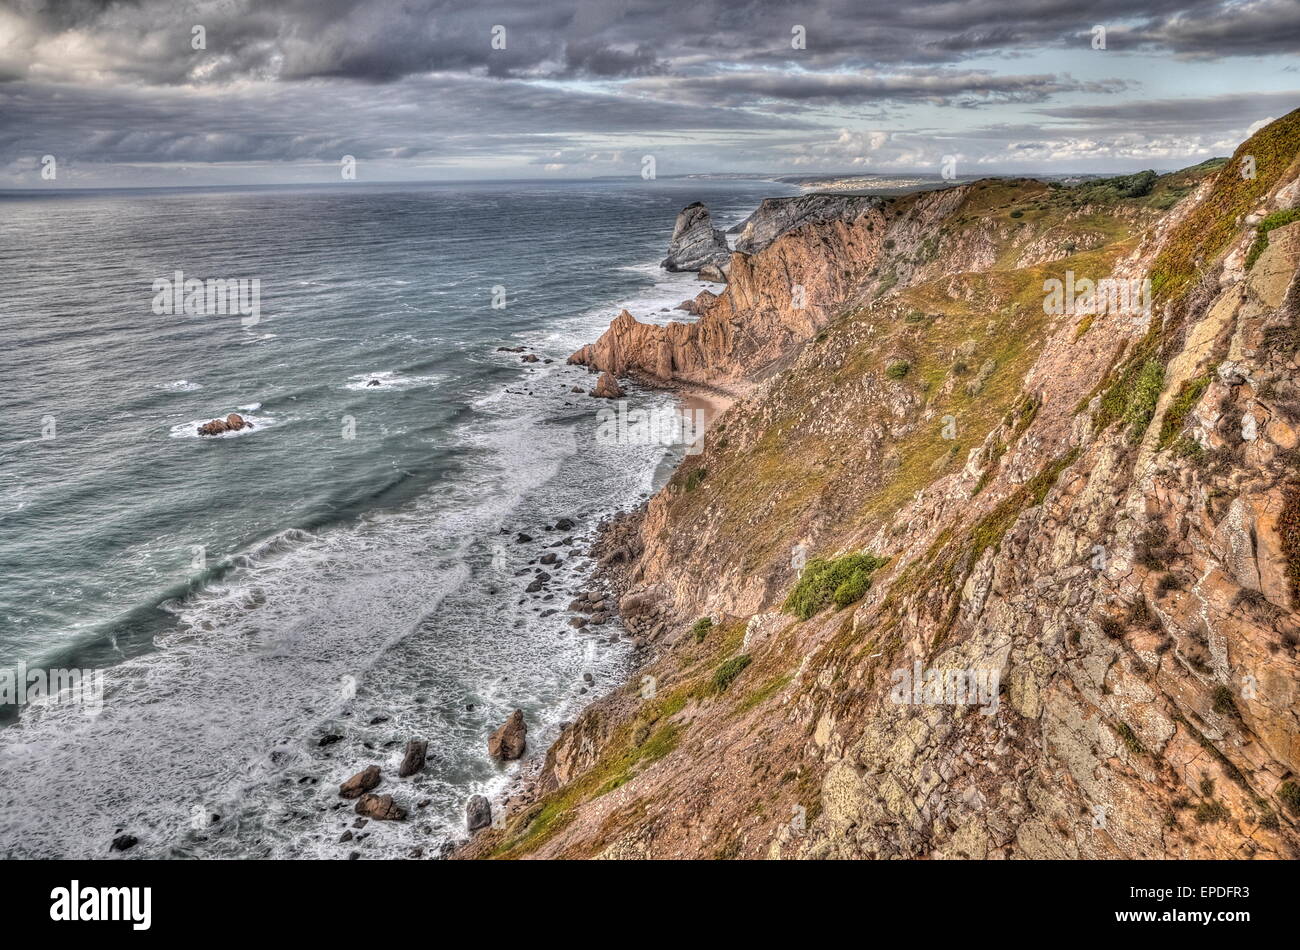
775	216
695	243
509	741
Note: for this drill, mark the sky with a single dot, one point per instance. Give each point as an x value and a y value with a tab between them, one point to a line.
209	92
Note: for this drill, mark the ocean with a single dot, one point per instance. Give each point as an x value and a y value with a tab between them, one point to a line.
348	567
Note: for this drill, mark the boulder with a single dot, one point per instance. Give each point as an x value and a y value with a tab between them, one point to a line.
413	760
510	741
607	387
380	808
360	783
478	813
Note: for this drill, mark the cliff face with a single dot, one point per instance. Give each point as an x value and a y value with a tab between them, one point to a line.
1091	519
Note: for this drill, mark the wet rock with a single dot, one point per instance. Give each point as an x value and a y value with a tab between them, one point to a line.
510	349
329	739
124	843
413	760
565	524
478	813
522	538
548	558
360	783
232	423
373	382
607	387
380	808
510	741
528	358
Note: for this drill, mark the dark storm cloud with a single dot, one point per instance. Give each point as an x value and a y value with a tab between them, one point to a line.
384	40
945	87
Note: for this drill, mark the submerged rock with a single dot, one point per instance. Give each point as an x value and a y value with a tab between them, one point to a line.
232	423
380	808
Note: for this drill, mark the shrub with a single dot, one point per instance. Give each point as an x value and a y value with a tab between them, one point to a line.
1142	400
728	671
1223	704
1167	583
695	477
853	588
899	369
1290	795
1211	811
842	580
1017	213
1189	393
700	629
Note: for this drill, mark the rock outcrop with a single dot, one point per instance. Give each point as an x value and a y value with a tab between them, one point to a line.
696	243
413	758
775	216
478	813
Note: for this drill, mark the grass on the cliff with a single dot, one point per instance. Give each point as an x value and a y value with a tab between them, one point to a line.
842	581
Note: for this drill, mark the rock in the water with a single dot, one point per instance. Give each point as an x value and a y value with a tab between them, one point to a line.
565	524
380	808
373	382
478	813
360	783
413	761
232	423
529	358
696	242
714	273
607	387
510	741
124	842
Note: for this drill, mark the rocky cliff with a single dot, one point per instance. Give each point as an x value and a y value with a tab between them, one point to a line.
966	574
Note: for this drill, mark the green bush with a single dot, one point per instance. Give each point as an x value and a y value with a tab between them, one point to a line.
1142	400
701	628
1290	795
842	580
695	477
728	671
899	369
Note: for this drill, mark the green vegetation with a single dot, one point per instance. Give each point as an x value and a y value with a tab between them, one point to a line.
728	671
1110	190
898	369
1189	394
1223	702
700	629
696	476
842	580
1273	221
1289	793
1129	738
